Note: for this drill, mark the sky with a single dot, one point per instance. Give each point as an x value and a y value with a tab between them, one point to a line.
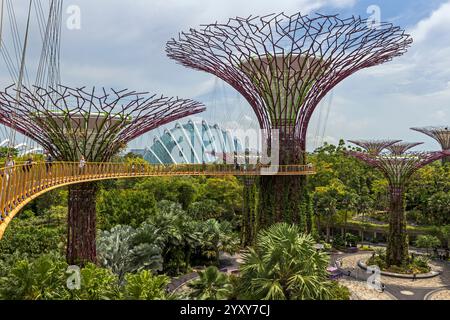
121	45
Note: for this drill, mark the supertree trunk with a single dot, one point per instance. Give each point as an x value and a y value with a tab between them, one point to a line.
397	249
249	214
283	198
81	226
446	161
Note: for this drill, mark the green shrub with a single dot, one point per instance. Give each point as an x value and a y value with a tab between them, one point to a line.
427	242
145	286
41	279
339	292
31	237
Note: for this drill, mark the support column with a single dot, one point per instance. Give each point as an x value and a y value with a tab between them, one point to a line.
285	198
250	213
397	249
446	160
81	233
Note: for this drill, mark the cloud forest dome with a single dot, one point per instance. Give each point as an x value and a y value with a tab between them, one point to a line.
284	65
192	142
95	124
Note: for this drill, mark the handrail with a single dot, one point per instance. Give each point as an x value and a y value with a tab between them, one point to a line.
22	183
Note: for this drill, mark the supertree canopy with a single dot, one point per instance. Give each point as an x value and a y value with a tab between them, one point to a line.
441	135
374	147
400	148
398	169
284	65
74	123
70	123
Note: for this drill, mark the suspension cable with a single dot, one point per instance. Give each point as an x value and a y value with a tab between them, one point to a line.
21	74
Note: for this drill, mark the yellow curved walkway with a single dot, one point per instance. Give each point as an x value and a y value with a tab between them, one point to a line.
22	183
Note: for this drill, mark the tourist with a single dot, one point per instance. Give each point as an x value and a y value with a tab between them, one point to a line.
82	164
28	165
10	163
48	163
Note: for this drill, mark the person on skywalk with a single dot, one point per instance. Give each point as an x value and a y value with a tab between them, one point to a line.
82	164
48	163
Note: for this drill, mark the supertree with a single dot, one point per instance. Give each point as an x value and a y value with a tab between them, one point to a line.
284	65
398	169
374	147
400	148
73	123
441	135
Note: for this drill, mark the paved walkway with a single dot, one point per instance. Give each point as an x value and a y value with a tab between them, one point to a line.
227	262
401	289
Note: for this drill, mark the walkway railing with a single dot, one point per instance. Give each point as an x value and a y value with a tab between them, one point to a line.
22	183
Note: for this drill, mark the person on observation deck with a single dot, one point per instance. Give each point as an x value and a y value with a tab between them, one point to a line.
82	164
10	163
48	163
28	165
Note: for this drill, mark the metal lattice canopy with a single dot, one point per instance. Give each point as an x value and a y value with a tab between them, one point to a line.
70	123
440	134
398	168
400	148
374	147
284	65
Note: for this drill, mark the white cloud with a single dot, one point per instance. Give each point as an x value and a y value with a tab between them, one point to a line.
413	90
121	44
433	26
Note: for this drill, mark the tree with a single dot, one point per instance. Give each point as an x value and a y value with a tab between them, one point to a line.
427	242
326	201
33	237
284	265
349	201
125	207
438	207
211	285
216	237
206	209
179	236
227	192
6	151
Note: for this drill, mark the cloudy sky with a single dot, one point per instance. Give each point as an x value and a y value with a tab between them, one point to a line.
121	44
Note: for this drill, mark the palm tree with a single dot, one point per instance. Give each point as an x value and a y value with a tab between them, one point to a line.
179	236
211	285
284	265
217	237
